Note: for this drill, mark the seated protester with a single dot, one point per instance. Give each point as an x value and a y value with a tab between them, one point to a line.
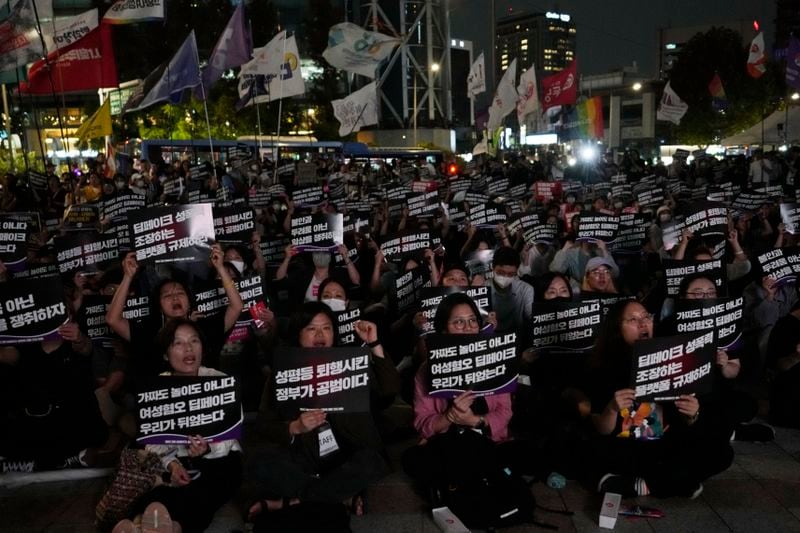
783	354
572	258
734	408
304	282
512	299
645	447
170	299
536	259
292	470
49	415
599	277
236	255
738	269
203	475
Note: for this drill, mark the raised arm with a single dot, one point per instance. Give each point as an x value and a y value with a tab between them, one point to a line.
235	305
114	317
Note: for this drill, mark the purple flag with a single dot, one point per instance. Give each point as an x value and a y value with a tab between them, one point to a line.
232	49
793	63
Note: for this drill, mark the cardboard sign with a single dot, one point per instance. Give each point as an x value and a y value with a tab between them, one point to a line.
632	233
31	310
320	231
675	270
565	326
172	234
80	217
335	380
85	252
790	216
170	409
598	228
483	365
308	196
13	242
423	204
345	324
487	216
781	264
116	208
431	297
749	201
408	287
668	367
722	316
234	225
397	247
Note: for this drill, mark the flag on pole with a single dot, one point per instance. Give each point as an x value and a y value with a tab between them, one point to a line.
561	88
144	88
111	161
354	49
528	104
356	110
505	97
272	74
98	125
671	108
476	81
86	64
132	11
793	63
757	60
590	118
71	29
20	43
182	72
719	101
232	49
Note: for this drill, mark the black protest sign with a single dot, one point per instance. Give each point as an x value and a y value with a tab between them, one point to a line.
459	185
483	215
31	310
772	191
170	409
355	221
479	263
483	365
136	308
632	233
423	204
122	233
650	198
172	234
749	201
345	325
707	219
306	173
115	208
13	242
675	186
320	231
92	318
37	181
718	195
597	228
518	191
240	151
513	205
197	194
199	172
358	206
680	154
606	300
723	316
781	264
618	179
173	188
86	252
672	231
397	193
620	190
36	272
274	250
478	183
456	213
675	270
214	300
408	287
335	380
523	222
790	216
259	198
396	247
668	367
336	190
497	187
475	199
540	234
431	297
308	196
80	217
286	169
565	326
234	225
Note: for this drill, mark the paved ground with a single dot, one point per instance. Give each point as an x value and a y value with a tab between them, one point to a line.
760	492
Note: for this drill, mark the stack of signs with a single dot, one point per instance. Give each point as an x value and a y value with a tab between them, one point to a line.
396	247
345	325
320	231
308	196
335	380
172	234
781	264
722	316
408	287
430	299
423	204
668	367
234	225
675	270
479	263
274	250
598	228
80	217
650	197
749	201
790	216
13	239
32	310
171	409
497	187
486	216
632	233
565	326
214	301
545	191
85	252
483	365
37	181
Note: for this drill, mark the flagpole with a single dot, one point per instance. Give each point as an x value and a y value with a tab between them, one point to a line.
358	118
205	108
280	107
24	138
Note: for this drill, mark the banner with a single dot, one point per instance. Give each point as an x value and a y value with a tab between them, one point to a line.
481	364
317	232
354	49
584	120
431	297
757	59
98	125
13	242
505	98
69	30
560	88
272	74
598	228
85	252
31	310
173	234
476	80
234	225
408	287
170	409
671	108
335	380
675	270
357	110
19	37
132	11
722	316
668	367
565	326
781	264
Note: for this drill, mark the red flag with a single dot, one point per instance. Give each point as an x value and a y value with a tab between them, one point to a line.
86	64
561	88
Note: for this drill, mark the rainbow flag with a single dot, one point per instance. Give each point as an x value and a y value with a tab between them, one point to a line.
719	101
584	120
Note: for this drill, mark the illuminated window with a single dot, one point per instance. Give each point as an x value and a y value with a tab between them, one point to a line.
524	41
523	47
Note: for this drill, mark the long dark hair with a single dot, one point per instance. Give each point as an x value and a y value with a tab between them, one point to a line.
544	281
445	309
610	349
303	317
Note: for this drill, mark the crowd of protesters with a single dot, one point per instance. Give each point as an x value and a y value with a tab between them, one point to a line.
68	402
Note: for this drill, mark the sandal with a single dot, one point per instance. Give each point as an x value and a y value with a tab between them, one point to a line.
156	519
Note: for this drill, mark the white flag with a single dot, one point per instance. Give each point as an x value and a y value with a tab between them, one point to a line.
20	43
476	81
505	97
672	108
354	49
132	11
357	110
70	29
273	73
757	60
528	103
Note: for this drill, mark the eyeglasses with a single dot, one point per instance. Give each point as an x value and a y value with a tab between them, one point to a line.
600	272
645	319
711	293
462	322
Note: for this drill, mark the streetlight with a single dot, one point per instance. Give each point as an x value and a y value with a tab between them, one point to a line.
795	96
637	86
434	67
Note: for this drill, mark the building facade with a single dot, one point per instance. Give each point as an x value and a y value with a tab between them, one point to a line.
544	39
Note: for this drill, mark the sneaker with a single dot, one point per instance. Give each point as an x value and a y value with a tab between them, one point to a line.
754	432
7	466
76	461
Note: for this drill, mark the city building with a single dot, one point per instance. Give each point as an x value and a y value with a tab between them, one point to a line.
544	39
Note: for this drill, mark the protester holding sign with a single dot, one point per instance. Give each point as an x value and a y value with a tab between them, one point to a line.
572	258
303	282
599	276
512	298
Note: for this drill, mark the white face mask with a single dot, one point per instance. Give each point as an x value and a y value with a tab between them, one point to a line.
502	281
321	259
239	266
335	304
